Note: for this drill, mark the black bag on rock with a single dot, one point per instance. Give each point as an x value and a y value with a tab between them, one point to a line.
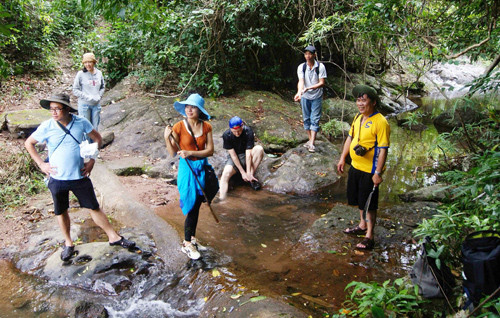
211	183
431	280
481	260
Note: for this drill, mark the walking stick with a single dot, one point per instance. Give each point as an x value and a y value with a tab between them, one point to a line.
367	205
197	181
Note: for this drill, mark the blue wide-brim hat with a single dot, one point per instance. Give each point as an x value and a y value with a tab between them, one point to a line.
193	100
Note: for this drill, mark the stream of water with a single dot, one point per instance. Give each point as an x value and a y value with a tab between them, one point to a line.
259	232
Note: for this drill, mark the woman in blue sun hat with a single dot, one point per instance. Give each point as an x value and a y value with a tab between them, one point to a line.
194	127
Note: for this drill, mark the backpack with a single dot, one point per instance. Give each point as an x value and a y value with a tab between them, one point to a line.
304	65
481	260
431	280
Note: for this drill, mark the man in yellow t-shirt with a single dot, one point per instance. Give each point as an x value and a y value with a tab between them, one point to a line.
367	144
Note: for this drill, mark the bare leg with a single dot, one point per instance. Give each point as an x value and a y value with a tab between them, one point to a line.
257	155
312	137
65	225
227	173
309	136
370	232
102	221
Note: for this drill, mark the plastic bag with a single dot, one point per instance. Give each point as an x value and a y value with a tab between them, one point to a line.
88	151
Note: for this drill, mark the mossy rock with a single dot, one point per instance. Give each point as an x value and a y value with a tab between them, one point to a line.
25	122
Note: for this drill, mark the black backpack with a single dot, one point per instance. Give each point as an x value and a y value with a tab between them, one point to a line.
304	65
481	260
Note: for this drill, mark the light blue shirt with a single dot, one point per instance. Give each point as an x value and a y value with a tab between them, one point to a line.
66	157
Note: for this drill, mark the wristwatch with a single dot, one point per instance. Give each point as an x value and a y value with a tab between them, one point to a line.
379	173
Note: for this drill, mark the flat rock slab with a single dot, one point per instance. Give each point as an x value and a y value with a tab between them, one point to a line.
24	122
128	166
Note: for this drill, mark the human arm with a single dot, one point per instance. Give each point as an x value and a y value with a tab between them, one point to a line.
320	83
77	88
237	164
103	86
96	137
345	152
300	90
45	167
168	135
207	152
377	176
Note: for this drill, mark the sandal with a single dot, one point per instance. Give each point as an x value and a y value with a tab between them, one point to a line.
67	252
368	244
123	242
355	230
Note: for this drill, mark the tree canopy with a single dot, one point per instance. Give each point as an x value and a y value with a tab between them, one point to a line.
217	45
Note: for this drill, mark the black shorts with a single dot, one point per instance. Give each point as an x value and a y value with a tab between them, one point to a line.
359	186
81	188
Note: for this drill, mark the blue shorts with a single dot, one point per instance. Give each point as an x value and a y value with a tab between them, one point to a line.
81	188
359	186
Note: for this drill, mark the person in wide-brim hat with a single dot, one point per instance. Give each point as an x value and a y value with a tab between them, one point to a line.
62	99
193	100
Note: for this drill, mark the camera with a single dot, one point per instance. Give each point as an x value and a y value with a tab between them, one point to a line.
360	150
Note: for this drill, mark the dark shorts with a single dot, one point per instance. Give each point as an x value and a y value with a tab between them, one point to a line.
359	186
242	158
82	189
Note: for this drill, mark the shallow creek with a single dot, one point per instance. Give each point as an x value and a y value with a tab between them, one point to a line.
260	233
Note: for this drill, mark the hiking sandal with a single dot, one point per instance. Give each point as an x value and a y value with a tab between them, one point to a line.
368	244
355	230
123	242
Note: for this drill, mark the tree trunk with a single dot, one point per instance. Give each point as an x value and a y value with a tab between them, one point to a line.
492	66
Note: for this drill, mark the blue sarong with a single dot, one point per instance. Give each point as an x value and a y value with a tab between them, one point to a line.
186	183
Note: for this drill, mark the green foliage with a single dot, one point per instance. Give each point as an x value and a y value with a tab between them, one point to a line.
373	35
334	127
19	177
399	299
413	119
30	31
475	205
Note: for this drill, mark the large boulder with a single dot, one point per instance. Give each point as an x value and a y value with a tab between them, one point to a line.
300	172
449	120
436	193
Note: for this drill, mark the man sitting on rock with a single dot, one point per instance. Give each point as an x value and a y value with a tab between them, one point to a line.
244	157
67	170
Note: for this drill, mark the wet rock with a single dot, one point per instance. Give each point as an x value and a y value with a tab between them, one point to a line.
436	193
300	172
98	267
87	309
23	123
447	121
393	230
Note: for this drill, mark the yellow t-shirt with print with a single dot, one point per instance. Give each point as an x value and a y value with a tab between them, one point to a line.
374	134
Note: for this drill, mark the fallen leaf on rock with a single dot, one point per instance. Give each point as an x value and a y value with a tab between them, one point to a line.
215	272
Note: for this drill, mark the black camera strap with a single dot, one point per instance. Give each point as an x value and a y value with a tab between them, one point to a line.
359	138
67	132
